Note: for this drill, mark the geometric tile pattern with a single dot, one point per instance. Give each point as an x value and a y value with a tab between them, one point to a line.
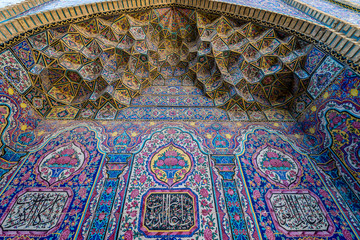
103	63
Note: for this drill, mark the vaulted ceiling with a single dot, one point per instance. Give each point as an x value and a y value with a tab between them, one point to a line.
109	61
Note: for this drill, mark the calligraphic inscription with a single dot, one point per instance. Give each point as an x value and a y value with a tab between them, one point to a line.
169	211
36	211
299	213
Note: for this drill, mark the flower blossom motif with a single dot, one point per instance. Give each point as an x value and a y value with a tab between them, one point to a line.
347	234
67	151
208	234
270	235
143	178
310	179
257	179
356	124
197	178
82	192
82	177
128	235
9	192
204	193
134	193
256	194
230	191
205	212
65	234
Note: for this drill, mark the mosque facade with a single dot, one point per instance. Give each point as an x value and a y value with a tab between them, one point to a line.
180	119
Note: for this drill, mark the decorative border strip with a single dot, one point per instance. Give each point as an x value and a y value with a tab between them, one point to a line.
346	4
11	11
349	30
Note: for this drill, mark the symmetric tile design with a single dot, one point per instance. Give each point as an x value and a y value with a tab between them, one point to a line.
101	65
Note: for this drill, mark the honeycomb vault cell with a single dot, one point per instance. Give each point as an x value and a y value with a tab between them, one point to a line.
99	66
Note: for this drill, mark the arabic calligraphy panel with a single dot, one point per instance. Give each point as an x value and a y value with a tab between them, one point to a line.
36	211
299	213
169	211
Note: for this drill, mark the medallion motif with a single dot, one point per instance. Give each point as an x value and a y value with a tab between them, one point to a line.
170	165
277	166
62	163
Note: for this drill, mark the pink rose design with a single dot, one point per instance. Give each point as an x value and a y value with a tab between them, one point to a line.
256	194
68	151
310	179
205	212
82	177
266	164
272	155
167	162
286	164
356	125
182	163
134	193
230	191
208	234
73	162
82	192
160	163
204	193
171	154
143	178
197	178
128	235
65	234
347	234
257	179
9	192
324	193
270	235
